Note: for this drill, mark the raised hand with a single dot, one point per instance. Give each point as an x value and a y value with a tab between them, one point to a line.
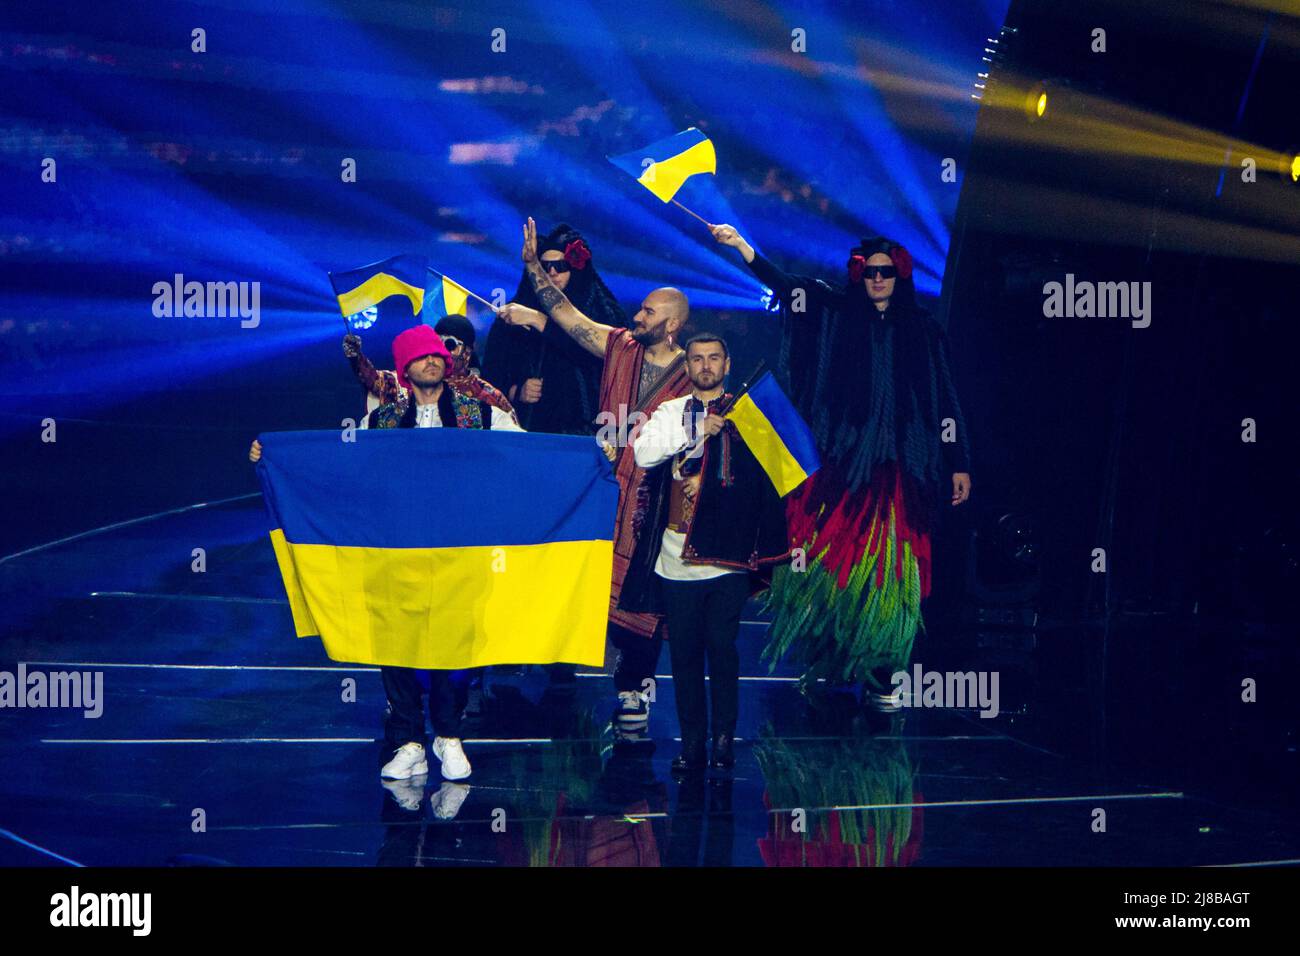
530	241
728	236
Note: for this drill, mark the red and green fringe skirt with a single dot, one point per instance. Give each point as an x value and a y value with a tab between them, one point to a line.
856	607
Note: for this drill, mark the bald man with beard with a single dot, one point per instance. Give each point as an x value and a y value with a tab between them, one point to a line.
644	367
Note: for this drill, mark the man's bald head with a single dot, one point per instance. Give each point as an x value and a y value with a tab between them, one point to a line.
663	312
675	300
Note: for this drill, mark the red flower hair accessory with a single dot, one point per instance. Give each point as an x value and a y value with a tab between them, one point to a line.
902	260
576	254
857	265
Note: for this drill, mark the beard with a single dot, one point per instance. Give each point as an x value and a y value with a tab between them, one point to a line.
650	337
706	380
421	380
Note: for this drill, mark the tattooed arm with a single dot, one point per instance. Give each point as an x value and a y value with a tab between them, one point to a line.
592	336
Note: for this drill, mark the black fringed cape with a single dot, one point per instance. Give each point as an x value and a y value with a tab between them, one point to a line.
873	389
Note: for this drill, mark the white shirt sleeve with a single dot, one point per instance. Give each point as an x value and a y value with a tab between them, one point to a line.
661	437
365	420
502	421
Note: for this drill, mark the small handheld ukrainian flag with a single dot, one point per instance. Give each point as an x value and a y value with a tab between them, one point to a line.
664	166
775	434
446	297
364	288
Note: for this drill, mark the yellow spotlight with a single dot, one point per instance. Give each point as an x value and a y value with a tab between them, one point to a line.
1295	169
1036	101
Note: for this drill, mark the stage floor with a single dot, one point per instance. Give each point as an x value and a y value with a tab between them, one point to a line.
210	704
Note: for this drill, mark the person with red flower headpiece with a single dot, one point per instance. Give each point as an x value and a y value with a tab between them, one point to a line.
869	370
552	380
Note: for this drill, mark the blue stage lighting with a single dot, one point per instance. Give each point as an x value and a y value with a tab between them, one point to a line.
363	319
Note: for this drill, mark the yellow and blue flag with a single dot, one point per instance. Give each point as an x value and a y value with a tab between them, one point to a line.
780	440
402	573
446	298
664	166
363	288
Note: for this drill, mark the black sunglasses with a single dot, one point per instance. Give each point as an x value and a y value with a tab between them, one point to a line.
555	265
451	342
885	272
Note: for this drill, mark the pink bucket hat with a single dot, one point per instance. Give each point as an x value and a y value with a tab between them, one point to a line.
416	343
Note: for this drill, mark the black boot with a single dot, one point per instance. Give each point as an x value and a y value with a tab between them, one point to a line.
692	758
723	757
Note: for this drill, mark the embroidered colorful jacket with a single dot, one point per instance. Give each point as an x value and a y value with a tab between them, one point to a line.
456	409
383	384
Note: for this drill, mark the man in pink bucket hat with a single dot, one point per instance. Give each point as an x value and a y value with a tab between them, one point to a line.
422	362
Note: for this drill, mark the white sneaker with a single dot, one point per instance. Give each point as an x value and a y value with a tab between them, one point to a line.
455	765
409	761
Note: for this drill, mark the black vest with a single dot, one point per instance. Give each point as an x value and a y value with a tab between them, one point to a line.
386	415
739	525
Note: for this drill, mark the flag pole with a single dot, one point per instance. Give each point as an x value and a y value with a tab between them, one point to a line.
467	292
695	214
347	327
745	386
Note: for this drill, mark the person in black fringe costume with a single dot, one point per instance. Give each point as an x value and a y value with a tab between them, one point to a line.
869	371
550	379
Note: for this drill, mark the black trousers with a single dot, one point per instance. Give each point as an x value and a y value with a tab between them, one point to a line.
637	657
703	623
405	720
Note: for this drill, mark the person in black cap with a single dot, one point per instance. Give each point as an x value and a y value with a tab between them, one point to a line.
553	381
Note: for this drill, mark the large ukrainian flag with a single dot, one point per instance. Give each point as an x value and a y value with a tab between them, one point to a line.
780	440
359	289
424	547
670	163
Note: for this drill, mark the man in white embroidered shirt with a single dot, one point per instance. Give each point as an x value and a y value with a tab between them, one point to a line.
711	520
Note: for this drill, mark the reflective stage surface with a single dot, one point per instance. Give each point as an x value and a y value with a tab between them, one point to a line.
224	740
